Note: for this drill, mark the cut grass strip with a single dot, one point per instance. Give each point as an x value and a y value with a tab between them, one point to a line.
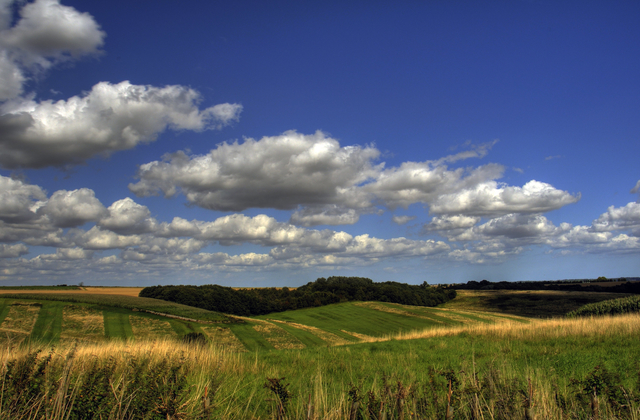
223	337
326	338
82	324
150	328
250	338
5	305
351	317
48	326
183	328
116	325
278	337
18	323
306	337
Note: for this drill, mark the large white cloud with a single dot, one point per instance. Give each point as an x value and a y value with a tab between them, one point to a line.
491	199
46	33
330	184
109	118
620	218
128	217
19	200
13	251
73	208
279	172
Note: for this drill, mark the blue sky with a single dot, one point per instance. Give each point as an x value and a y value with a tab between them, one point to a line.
271	143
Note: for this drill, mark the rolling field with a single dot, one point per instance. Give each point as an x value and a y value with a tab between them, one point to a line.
354	360
50	317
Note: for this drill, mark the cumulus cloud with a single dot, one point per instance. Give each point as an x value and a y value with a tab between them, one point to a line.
424	182
451	222
128	217
328	215
109	118
68	254
19	200
619	218
96	238
331	184
13	251
73	208
279	172
492	199
46	33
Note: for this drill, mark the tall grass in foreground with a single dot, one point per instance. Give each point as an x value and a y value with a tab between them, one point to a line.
557	369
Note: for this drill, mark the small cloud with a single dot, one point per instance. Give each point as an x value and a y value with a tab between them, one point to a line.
636	189
401	220
518	170
55	92
552	157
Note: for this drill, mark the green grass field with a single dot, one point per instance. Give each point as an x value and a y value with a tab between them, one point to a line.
384	355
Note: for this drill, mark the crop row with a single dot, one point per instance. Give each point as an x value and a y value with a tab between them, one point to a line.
624	305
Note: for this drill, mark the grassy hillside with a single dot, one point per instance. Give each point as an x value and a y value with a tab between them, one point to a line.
549	368
63	317
532	304
126	302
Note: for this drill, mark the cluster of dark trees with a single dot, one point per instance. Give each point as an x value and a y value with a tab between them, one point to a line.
578	286
321	292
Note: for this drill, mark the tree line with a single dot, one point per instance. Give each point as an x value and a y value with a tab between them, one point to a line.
624	285
247	302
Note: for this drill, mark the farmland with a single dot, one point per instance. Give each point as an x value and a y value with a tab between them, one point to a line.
334	359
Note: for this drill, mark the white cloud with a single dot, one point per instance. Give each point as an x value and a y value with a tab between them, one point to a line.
46	33
109	118
13	251
18	200
97	238
279	172
48	29
333	185
425	182
619	218
327	215
517	226
73	208
365	245
68	254
401	220
128	217
492	199
451	222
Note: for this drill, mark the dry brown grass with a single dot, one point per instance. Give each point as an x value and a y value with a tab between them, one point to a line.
149	328
329	338
276	336
224	337
18	324
550	328
361	337
82	324
123	291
